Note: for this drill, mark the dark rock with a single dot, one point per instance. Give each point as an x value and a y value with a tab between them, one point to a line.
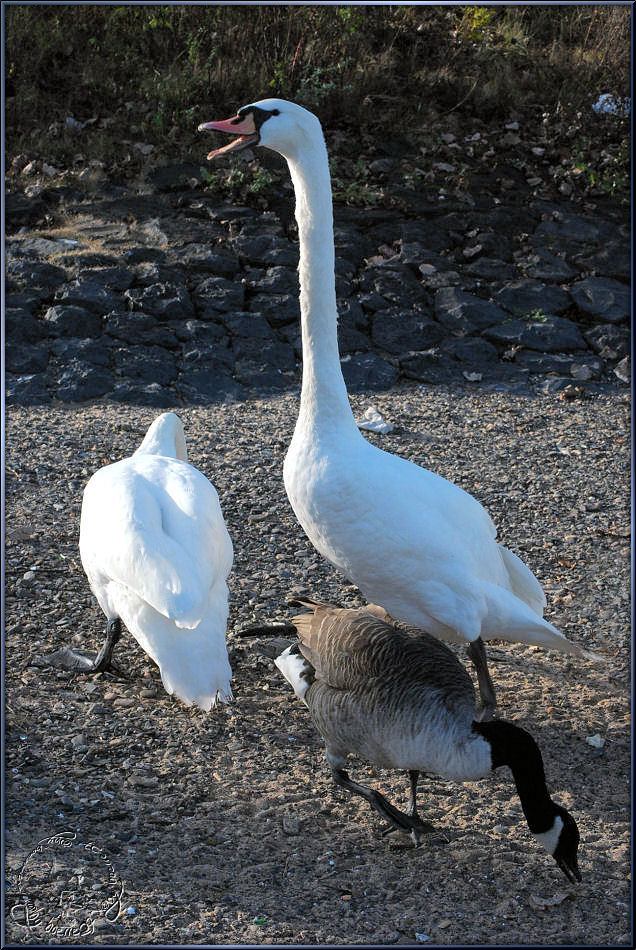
149	364
219	294
153	394
250	325
279	309
433	235
559	364
135	327
397	284
488	245
27	300
29	390
608	340
464	313
89	293
142	254
601	297
434	277
206	357
20	326
201	332
397	332
542	265
69	320
96	352
204	260
35	274
80	380
367	371
565	228
176	177
154	272
524	297
550	334
612	260
266	250
214	384
160	300
272	353
261	375
20	210
487	268
373	301
472	350
432	366
25	358
275	280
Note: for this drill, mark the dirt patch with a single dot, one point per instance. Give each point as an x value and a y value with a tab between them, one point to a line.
225	828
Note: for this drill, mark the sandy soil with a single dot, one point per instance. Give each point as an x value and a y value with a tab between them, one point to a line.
225	828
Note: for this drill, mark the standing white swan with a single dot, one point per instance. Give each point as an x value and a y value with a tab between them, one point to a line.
157	554
410	540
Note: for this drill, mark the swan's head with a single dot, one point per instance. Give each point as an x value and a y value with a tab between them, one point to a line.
283	126
165	437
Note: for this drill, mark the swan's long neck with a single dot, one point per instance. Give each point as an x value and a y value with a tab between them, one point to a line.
324	394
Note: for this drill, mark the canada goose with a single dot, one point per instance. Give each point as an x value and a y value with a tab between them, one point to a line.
396	696
157	554
409	539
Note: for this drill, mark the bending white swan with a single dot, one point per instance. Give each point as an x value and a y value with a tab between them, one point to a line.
157	554
410	540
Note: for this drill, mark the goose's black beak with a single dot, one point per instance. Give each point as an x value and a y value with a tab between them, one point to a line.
243	126
570	868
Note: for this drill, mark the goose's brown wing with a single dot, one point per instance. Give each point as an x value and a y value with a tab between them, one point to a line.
346	646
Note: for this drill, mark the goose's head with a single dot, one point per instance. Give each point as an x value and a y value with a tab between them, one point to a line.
165	437
283	126
562	842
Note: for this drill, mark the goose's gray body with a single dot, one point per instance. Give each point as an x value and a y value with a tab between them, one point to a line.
396	696
363	703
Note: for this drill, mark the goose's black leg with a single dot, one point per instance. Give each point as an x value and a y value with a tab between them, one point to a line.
397	819
411	808
76	662
477	653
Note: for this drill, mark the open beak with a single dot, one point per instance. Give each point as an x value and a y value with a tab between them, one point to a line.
243	126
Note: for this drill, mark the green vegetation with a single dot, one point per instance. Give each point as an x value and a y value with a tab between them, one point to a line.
150	74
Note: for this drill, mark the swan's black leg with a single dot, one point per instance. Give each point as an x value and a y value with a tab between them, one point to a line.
76	662
103	659
477	653
397	819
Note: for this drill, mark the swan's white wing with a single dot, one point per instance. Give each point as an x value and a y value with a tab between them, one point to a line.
154	526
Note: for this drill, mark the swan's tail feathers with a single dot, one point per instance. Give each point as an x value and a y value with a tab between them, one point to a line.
523	583
514	620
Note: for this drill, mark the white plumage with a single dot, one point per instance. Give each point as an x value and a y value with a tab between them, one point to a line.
157	554
409	539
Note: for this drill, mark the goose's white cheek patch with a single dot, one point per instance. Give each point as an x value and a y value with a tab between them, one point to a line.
550	839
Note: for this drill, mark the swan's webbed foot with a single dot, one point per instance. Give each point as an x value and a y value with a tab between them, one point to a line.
397	820
76	661
477	653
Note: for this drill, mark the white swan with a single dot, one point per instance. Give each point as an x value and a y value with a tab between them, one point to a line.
409	539
393	695
157	554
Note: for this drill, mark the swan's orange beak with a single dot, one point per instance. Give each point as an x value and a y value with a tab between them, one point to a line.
243	126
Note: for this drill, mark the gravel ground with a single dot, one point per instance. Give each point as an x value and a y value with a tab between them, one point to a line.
225	828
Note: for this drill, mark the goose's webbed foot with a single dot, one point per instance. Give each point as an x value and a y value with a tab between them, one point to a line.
397	820
76	661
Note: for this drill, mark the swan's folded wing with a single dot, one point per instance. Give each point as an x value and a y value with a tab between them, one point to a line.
123	539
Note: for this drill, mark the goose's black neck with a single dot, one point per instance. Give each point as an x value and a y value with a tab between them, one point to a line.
513	746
